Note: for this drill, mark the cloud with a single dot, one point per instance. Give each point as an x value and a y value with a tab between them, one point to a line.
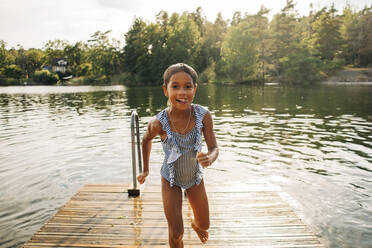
123	5
31	23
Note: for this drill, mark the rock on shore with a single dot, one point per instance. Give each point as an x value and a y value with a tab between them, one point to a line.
352	75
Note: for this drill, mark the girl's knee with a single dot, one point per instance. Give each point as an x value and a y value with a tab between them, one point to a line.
176	234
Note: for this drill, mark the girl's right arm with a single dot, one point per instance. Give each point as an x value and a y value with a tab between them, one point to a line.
154	128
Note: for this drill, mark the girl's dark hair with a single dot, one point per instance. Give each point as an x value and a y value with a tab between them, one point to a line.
173	69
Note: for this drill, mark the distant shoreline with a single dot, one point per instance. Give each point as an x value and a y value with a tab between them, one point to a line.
345	76
350	76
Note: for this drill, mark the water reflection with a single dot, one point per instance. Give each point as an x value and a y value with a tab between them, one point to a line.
316	143
146	100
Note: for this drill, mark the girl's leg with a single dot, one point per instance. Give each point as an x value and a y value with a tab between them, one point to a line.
199	204
172	202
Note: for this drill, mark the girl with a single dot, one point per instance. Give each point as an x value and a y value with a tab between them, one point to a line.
179	127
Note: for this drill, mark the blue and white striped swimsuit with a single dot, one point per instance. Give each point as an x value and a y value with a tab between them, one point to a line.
180	166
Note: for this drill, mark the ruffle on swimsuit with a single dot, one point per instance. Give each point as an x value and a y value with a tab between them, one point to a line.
180	166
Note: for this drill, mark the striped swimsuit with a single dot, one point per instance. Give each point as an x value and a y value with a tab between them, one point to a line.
180	166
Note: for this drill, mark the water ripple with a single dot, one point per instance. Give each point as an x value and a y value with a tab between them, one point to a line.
53	140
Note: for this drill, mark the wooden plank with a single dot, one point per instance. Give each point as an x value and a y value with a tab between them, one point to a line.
159	207
130	229
46	245
154	240
103	216
217	222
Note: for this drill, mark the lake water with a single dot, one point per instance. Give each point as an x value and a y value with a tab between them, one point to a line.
315	143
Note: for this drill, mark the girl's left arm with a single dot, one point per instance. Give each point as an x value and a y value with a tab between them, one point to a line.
206	159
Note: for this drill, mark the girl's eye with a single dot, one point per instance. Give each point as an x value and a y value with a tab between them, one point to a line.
174	86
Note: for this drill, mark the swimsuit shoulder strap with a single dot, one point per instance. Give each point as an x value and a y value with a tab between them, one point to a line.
200	112
163	118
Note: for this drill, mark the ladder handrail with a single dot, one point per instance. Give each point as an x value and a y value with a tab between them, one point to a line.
134	124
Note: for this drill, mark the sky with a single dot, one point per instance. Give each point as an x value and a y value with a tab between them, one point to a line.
31	23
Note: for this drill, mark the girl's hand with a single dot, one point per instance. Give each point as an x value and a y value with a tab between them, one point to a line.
203	159
142	177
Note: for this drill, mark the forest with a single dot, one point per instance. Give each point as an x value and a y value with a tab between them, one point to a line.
248	48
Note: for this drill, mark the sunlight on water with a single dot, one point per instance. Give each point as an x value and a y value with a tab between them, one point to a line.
57	89
315	143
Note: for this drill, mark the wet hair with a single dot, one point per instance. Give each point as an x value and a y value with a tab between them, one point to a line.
173	69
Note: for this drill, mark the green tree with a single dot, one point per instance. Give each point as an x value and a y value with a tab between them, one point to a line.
21	59
240	51
365	37
85	70
211	43
135	47
159	45
236	19
300	67
350	36
262	33
5	57
199	20
54	49
290	55
33	61
150	48
104	55
151	60
13	71
283	37
183	42
45	77
326	35
76	55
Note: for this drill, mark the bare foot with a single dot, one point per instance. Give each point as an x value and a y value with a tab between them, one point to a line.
202	234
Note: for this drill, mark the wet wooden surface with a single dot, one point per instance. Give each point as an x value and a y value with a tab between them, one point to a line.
253	215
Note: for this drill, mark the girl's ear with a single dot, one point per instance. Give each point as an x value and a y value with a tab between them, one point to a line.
165	90
195	87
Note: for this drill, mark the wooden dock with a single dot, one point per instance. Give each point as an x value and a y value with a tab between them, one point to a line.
103	216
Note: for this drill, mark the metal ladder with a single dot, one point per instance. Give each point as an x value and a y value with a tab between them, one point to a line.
134	192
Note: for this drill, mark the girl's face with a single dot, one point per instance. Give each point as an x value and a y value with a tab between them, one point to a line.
180	90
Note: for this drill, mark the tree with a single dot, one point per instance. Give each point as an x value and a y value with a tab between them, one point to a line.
240	51
365	37
104	55
45	77
158	43
76	55
199	20
211	43
150	48
262	32
5	57
283	36
326	33
292	59
244	50
54	49
184	40
135	46
300	67
13	71
351	42
85	70
33	61
237	17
